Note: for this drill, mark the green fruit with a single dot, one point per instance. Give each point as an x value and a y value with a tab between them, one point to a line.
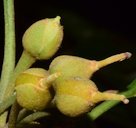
71	66
33	88
43	38
75	96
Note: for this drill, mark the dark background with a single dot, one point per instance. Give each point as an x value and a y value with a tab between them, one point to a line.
93	29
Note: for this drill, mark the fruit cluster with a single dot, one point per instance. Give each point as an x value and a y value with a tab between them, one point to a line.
69	76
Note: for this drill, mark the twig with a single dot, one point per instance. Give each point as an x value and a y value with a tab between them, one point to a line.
9	50
7	103
13	115
33	117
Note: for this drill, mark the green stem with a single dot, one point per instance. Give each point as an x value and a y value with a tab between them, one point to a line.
33	117
9	50
3	118
7	103
22	114
3	106
105	106
25	61
13	115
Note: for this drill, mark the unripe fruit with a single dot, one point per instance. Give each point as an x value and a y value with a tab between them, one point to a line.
33	88
43	38
71	66
75	96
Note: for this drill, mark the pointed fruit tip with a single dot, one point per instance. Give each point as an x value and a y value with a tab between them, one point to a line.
57	19
125	101
128	55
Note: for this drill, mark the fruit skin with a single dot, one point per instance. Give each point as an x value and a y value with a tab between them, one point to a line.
72	66
76	96
73	96
31	93
43	38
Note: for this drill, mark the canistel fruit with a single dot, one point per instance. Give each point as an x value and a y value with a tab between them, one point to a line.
75	92
75	96
33	88
71	66
43	38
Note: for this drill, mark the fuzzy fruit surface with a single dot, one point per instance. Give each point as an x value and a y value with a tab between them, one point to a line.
75	96
31	93
71	66
43	38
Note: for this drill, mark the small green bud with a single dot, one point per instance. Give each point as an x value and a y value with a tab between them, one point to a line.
33	88
71	66
43	38
75	96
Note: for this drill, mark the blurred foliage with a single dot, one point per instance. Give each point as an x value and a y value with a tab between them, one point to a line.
93	30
